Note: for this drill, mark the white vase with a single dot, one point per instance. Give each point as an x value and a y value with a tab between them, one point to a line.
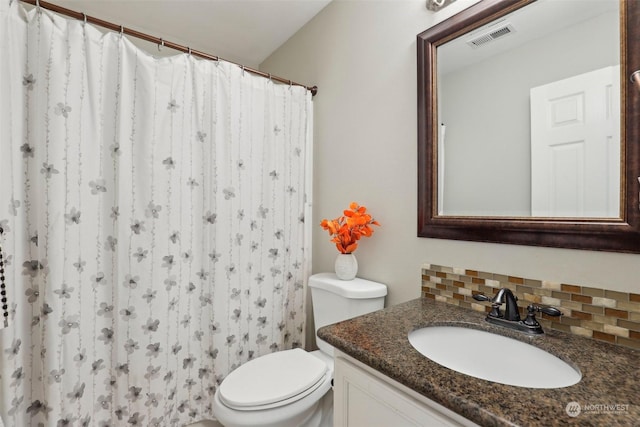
346	266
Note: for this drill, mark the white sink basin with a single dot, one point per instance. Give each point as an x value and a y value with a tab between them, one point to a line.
493	357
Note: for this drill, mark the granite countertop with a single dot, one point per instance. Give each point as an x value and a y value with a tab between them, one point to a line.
610	373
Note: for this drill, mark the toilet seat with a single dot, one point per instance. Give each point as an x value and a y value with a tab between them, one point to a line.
273	380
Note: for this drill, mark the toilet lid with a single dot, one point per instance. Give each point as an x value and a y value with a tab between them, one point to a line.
273	378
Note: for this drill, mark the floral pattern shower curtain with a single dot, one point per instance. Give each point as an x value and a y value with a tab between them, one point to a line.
154	212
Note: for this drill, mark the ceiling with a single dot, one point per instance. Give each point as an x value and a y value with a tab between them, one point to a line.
242	31
536	20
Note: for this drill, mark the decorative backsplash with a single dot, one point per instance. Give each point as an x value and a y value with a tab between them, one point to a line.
600	314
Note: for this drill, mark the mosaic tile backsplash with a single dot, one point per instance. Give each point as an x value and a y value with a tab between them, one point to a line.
599	314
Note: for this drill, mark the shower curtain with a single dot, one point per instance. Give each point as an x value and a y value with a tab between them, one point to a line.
154	214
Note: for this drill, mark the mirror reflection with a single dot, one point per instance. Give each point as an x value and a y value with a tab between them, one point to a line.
529	114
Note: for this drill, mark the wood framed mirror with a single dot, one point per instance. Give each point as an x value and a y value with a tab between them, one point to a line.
592	229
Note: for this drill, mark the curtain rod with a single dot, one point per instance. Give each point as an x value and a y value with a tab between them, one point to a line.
156	40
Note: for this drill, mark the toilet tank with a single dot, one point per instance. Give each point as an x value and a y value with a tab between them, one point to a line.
335	300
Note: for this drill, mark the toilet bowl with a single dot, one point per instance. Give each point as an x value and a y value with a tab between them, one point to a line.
266	402
293	387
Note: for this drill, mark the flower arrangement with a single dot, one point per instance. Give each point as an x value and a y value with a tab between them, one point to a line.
346	230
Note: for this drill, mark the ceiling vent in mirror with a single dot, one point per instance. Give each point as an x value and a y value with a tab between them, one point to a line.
491	34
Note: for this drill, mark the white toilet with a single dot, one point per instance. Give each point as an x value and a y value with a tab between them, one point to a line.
293	387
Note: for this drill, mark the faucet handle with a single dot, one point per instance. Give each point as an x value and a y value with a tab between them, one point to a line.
495	306
481	297
551	311
531	313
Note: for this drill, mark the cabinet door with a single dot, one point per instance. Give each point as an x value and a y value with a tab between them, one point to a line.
361	399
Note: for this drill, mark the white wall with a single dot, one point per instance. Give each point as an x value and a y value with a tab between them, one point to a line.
362	56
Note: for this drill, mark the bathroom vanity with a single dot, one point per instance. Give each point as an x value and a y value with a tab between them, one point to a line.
380	379
365	397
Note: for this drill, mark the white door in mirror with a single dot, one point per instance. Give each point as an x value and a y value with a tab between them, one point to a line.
575	146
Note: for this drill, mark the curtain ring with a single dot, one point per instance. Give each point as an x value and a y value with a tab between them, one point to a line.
38	6
290	84
189	51
271	81
121	30
242	70
84	18
160	45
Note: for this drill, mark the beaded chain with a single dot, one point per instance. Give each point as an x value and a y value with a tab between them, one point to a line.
3	289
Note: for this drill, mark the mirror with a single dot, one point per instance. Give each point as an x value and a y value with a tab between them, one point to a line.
528	121
526	118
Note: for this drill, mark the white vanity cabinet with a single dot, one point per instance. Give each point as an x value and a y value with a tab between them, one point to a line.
365	397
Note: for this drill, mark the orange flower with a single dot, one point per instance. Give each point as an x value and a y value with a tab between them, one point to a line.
346	230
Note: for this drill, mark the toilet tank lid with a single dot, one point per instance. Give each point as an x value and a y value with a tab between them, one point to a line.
357	288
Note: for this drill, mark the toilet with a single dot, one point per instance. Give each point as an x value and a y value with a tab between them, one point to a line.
293	387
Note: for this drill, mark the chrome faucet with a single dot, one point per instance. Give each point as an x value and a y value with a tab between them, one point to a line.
511	317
